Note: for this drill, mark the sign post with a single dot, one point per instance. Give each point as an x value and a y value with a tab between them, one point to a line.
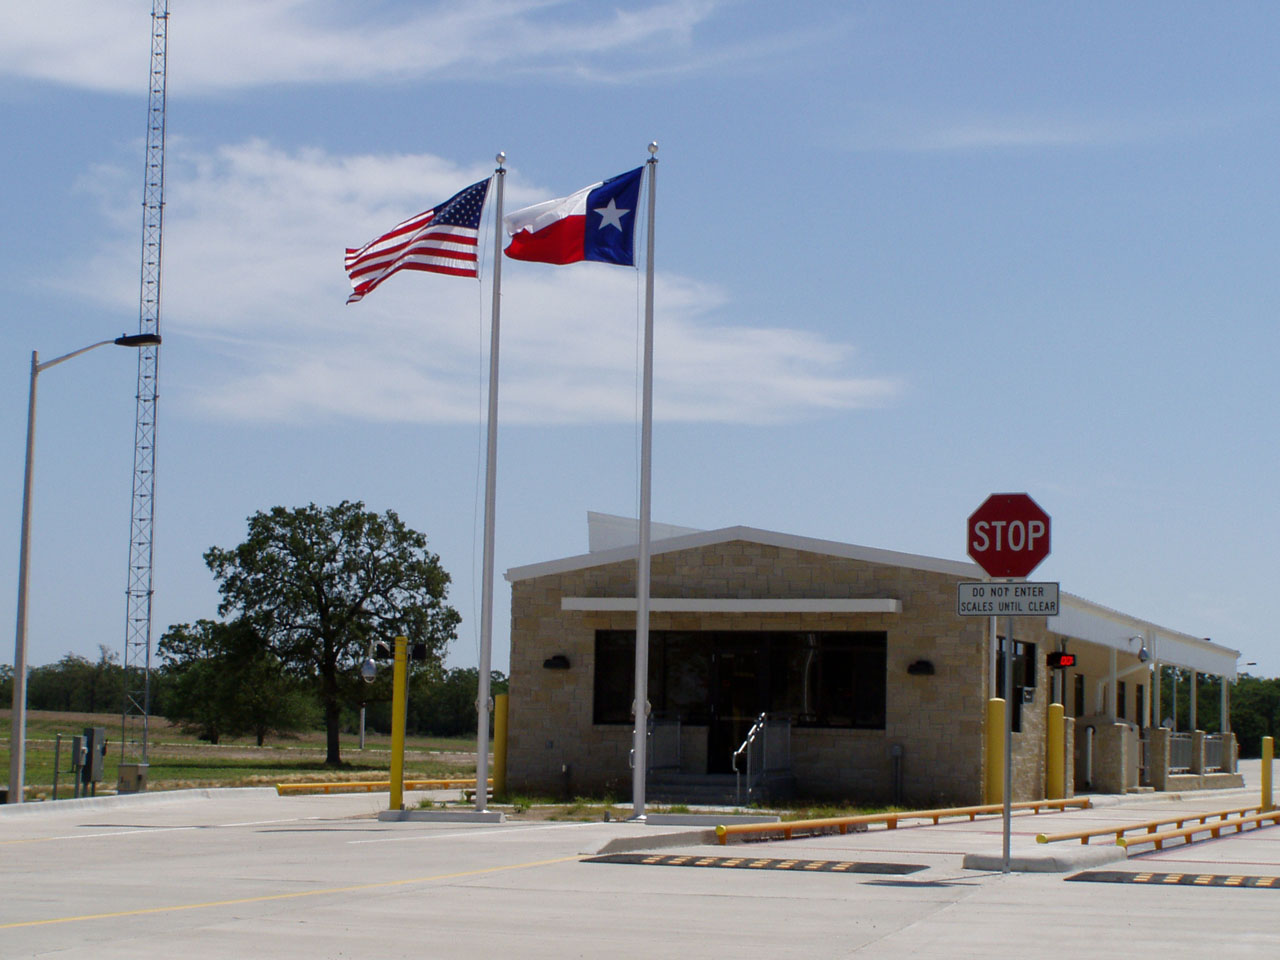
1008	536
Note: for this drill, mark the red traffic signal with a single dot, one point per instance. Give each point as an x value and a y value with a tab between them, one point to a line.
1058	660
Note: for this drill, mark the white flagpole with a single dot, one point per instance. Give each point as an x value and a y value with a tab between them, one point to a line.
641	704
490	487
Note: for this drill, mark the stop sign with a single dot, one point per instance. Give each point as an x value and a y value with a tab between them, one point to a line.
1009	535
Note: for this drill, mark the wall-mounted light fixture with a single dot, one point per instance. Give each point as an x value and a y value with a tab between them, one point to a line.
1143	653
921	668
558	662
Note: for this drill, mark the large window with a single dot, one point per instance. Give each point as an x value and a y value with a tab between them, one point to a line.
823	679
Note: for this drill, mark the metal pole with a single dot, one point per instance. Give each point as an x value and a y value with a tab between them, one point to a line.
992	657
490	499
18	726
361	724
1224	706
399	695
1008	743
57	759
1193	703
642	565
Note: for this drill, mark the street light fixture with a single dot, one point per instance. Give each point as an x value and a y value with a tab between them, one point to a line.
18	729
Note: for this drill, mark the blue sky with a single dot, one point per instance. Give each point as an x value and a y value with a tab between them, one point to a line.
908	254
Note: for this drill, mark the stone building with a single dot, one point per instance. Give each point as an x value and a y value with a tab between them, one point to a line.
870	685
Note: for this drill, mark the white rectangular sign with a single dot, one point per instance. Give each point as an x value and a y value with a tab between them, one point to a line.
1015	599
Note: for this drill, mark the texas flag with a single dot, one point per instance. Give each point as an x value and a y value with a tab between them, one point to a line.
596	223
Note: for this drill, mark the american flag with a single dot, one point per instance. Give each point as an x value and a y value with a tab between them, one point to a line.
441	240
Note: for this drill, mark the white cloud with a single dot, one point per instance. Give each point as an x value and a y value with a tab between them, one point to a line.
253	246
236	44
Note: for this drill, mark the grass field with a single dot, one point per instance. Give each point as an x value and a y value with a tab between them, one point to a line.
178	760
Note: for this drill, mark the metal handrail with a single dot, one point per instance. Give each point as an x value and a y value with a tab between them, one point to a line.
745	747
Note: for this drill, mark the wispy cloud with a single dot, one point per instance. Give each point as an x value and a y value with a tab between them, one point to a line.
885	130
254	240
237	44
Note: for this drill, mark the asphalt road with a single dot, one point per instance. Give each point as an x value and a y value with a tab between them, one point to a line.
243	873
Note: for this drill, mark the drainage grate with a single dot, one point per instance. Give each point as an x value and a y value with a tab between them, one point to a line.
759	863
1178	879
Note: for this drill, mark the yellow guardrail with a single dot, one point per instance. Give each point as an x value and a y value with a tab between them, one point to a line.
1187	833
1151	826
792	828
369	786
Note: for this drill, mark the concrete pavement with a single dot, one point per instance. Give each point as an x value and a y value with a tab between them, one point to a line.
243	873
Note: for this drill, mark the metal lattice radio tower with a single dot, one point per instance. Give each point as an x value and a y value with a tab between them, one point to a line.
137	639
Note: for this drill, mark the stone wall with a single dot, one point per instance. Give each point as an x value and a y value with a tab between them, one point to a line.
936	719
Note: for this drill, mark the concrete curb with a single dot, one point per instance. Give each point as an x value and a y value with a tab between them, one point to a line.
706	819
114	801
689	838
1049	858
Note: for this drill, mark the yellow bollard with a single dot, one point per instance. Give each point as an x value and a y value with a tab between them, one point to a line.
1268	752
994	791
1055	761
500	745
398	698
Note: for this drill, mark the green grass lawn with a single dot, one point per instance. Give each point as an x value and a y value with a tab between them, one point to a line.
178	760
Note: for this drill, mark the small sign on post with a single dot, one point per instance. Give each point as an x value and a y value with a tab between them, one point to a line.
1008	537
1017	599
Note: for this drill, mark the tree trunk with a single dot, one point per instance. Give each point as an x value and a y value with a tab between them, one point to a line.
332	716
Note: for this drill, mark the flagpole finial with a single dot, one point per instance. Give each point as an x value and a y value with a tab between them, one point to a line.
501	158
653	148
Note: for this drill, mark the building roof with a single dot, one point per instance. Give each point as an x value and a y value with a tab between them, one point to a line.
615	540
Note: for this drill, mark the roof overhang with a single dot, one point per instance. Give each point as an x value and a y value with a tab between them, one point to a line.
710	538
1093	623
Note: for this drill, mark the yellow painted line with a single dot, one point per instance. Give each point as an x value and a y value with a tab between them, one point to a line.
267	898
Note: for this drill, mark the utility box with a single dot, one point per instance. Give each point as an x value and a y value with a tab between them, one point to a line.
95	752
132	778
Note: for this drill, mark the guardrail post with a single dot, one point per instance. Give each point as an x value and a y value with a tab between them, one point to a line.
993	791
1055	754
1268	751
398	697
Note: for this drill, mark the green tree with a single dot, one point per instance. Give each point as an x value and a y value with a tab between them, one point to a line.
445	706
1255	712
76	683
222	680
318	584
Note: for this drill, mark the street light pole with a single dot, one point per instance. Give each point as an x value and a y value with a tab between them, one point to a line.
18	727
